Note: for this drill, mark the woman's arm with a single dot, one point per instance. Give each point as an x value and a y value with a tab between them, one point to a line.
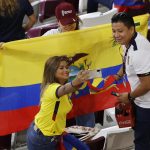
74	85
30	23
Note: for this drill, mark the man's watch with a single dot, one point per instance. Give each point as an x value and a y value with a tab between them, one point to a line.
130	98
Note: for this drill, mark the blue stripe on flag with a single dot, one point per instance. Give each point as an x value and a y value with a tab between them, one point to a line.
127	2
12	98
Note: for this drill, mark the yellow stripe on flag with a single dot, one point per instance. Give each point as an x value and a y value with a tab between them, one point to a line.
22	62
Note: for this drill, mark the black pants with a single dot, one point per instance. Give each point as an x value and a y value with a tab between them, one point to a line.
92	5
142	128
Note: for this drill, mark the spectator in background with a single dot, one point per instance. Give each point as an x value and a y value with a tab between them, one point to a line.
69	21
12	13
137	68
92	5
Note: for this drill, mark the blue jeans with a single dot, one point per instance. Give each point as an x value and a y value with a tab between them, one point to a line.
71	141
37	141
142	128
87	120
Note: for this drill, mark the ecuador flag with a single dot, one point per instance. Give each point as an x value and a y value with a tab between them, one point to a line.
22	63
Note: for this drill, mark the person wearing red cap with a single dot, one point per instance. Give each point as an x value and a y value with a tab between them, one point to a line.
69	21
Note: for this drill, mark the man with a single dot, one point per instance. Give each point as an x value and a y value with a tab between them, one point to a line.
137	68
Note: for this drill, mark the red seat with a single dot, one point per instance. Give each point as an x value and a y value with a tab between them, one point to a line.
40	30
34	32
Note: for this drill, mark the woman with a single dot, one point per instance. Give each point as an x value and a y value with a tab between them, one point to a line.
69	21
137	68
12	13
50	122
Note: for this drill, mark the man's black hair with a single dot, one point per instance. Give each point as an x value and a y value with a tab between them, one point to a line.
123	17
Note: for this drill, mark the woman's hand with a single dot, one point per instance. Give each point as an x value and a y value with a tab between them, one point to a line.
81	77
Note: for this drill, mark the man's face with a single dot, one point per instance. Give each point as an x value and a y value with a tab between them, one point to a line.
121	33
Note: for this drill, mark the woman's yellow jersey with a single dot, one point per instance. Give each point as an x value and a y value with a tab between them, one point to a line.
51	119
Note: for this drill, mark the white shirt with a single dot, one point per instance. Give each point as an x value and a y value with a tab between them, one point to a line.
52	31
138	62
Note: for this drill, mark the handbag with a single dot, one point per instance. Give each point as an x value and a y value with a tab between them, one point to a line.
124	114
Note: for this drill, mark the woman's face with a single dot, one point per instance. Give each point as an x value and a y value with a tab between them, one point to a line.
62	73
121	33
69	27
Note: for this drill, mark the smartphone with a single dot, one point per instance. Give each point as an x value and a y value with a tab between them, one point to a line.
97	73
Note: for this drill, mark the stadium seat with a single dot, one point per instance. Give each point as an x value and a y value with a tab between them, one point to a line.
40	30
97	18
120	140
117	138
34	32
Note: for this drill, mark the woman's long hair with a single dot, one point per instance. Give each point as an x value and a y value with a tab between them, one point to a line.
8	7
50	69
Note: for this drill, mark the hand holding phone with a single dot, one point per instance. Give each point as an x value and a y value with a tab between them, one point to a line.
97	73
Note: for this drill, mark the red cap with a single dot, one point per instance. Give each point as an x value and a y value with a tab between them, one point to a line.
65	13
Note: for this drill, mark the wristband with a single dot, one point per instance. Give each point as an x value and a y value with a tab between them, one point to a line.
130	98
74	87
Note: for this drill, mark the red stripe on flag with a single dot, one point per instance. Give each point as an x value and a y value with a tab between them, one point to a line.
126	8
96	102
16	120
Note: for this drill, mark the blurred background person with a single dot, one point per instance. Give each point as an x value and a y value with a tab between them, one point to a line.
12	13
69	21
